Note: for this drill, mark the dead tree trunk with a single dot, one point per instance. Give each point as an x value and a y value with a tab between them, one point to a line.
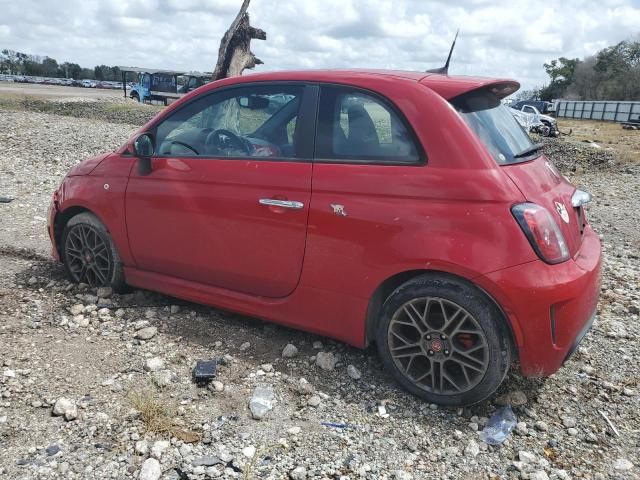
235	47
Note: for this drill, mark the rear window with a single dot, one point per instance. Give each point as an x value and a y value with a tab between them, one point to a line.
495	127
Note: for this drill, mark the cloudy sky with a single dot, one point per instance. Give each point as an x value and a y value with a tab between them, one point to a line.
498	38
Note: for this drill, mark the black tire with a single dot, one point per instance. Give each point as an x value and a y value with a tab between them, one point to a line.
89	254
485	337
135	96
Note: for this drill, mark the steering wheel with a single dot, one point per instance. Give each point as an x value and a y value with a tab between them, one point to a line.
182	144
223	139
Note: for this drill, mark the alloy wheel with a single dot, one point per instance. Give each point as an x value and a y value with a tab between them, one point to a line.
438	345
88	256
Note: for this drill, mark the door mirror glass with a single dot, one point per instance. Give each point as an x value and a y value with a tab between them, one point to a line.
143	146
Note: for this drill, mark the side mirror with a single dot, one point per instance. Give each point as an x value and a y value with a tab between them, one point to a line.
143	149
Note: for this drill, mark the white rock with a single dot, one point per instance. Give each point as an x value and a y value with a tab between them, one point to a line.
76	309
82	321
150	470
472	449
326	360
538	475
65	407
146	333
9	373
622	464
353	372
294	430
298	473
289	351
174	309
526	457
317	345
142	447
159	448
154	364
249	451
245	346
314	401
217	385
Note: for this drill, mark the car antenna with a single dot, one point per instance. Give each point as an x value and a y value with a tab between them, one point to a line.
445	70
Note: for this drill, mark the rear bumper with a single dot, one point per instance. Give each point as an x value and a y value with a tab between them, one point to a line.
550	307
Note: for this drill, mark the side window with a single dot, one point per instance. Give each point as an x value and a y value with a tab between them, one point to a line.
354	125
255	121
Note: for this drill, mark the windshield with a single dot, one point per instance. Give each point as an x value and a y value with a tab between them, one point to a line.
495	126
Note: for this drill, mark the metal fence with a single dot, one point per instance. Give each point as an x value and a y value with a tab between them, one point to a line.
598	110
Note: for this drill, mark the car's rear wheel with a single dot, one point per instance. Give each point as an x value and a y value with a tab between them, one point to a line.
444	340
89	253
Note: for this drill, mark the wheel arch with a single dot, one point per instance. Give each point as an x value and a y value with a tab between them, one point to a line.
386	288
62	218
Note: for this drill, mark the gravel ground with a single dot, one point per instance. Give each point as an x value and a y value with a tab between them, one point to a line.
99	386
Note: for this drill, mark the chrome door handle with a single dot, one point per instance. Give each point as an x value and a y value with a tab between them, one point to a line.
281	203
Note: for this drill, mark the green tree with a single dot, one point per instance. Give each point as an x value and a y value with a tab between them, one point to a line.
561	72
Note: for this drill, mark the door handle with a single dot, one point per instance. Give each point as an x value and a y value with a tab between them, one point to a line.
271	202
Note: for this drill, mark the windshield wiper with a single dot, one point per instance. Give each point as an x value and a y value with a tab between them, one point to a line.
529	150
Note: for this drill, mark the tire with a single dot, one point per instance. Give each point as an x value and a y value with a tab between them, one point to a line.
464	336
135	96
89	254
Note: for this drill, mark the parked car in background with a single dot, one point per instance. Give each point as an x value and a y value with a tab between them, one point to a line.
86	83
454	246
540	105
533	121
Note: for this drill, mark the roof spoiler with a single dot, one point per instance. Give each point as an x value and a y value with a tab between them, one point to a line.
445	70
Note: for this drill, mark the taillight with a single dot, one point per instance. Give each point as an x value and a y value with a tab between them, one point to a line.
542	232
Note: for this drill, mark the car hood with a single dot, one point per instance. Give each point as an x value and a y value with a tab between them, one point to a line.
87	166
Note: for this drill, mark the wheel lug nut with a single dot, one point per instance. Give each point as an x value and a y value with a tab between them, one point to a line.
443	336
446	352
428	337
430	352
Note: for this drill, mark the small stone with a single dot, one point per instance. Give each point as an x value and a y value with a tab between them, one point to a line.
289	351
217	385
588	369
572	431
541	426
516	398
82	321
9	373
159	448
163	378
245	346
526	457
521	428
538	475
569	422
401	475
104	292
317	345
314	401
472	449
249	451
76	309
353	372
294	430
52	450
627	392
65	407
304	387
142	447
326	360
146	333
209	461
154	364
174	309
150	470
298	473
622	464
261	401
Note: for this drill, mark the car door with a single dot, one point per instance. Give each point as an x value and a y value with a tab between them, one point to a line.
227	199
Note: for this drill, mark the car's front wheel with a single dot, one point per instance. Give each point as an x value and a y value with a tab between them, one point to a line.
89	253
443	340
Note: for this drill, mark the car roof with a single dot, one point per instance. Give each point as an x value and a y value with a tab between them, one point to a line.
447	86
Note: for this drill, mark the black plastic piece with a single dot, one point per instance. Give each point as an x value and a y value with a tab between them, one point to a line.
205	371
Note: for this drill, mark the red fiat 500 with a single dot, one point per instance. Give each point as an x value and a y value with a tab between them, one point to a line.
405	209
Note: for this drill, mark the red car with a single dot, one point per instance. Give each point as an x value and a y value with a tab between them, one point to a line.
405	209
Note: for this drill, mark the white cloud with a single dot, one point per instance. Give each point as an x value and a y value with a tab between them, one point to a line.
502	39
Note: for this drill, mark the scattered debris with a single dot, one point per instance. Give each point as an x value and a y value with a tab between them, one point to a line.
205	371
262	401
499	426
610	423
289	351
6	200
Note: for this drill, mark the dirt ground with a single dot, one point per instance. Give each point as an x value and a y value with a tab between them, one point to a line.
124	362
